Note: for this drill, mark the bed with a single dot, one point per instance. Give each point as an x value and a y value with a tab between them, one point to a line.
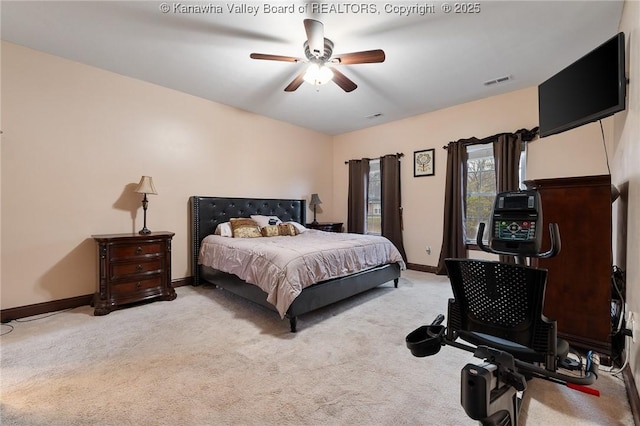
208	212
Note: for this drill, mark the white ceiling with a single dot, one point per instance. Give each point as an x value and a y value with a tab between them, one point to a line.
433	60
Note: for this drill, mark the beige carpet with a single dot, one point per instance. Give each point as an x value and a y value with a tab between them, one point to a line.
209	358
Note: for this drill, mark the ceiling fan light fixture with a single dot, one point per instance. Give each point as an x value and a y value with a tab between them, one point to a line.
317	58
318	74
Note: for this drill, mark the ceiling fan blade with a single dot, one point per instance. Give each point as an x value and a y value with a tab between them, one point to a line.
273	57
343	81
364	57
295	83
315	36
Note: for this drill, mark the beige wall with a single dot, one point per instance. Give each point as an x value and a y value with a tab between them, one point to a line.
76	140
626	175
578	152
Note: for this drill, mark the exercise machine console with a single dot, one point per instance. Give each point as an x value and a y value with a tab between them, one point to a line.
491	392
515	219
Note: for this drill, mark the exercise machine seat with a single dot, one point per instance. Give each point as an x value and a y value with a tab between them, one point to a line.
500	305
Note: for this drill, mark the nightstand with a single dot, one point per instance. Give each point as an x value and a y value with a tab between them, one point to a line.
326	226
132	268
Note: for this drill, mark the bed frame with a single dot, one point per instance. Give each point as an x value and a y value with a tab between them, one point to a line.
208	212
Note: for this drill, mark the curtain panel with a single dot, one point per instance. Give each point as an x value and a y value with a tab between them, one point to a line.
453	238
357	195
507	149
391	201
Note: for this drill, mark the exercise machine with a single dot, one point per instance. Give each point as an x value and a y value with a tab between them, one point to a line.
496	314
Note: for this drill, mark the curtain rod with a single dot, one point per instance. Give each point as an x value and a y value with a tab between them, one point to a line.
527	136
398	154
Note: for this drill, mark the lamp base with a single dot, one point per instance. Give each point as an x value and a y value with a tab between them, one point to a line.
314	223
144	230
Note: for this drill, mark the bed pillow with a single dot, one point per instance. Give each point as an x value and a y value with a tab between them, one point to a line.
224	230
245	228
281	229
265	220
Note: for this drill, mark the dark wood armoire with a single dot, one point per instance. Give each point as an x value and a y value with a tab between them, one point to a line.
578	293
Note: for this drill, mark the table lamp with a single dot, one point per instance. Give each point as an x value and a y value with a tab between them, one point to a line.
145	187
315	200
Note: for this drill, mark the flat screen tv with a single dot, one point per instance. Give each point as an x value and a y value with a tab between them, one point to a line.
592	88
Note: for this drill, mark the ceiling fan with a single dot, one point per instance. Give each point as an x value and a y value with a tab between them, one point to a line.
318	52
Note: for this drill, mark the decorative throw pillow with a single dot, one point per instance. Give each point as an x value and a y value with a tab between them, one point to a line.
224	230
284	229
270	231
263	220
287	229
245	228
299	228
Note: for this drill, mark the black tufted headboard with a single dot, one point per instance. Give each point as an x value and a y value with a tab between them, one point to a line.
208	212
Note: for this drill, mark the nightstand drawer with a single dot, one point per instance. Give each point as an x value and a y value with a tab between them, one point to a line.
118	270
129	287
132	250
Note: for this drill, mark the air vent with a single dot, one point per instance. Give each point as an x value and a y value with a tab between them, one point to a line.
497	80
374	116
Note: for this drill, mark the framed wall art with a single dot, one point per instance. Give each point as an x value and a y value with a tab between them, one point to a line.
423	162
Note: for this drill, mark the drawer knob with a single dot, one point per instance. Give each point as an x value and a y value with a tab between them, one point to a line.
139	268
138	250
138	284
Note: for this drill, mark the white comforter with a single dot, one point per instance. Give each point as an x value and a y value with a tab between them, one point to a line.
282	266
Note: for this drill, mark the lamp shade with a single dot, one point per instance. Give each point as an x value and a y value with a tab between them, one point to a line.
315	200
146	186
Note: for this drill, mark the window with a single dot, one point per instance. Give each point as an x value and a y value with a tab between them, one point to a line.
481	187
374	210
